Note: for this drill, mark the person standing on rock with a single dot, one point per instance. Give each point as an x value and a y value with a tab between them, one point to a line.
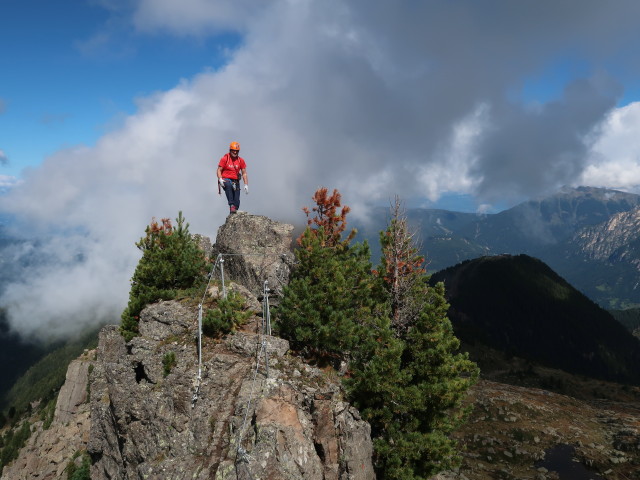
230	168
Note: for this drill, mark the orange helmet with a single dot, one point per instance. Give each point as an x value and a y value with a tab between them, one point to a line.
234	146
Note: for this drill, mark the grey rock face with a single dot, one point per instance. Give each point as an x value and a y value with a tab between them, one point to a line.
256	249
204	243
243	424
49	450
164	319
614	240
251	302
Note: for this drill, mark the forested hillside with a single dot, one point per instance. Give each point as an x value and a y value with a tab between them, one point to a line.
518	305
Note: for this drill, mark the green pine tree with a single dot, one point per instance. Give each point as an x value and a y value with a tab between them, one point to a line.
401	270
406	374
171	261
408	378
376	374
440	378
328	299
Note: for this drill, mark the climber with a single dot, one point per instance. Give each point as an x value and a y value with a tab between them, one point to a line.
230	168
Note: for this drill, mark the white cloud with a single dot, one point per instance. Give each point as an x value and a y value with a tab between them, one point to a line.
452	166
7	181
196	17
371	98
614	159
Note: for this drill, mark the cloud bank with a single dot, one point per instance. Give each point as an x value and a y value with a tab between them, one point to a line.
372	98
614	159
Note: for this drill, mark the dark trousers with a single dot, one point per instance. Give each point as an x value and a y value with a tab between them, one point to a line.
232	191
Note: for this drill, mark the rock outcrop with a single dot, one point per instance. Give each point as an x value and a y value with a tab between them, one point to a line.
142	410
255	249
615	240
51	447
145	423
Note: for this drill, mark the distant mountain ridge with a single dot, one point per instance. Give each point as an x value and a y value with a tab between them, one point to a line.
550	220
16	355
570	231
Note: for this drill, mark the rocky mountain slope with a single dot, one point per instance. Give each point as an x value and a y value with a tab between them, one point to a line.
132	406
557	229
613	241
288	422
56	443
258	413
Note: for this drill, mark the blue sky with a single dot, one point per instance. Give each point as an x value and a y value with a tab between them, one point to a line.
72	69
113	112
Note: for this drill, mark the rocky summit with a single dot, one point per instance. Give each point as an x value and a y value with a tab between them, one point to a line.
256	249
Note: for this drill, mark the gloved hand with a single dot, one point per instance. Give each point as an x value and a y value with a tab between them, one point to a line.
246	189
221	182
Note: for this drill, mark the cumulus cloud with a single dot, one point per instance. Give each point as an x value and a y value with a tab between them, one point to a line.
373	98
531	152
614	159
6	181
